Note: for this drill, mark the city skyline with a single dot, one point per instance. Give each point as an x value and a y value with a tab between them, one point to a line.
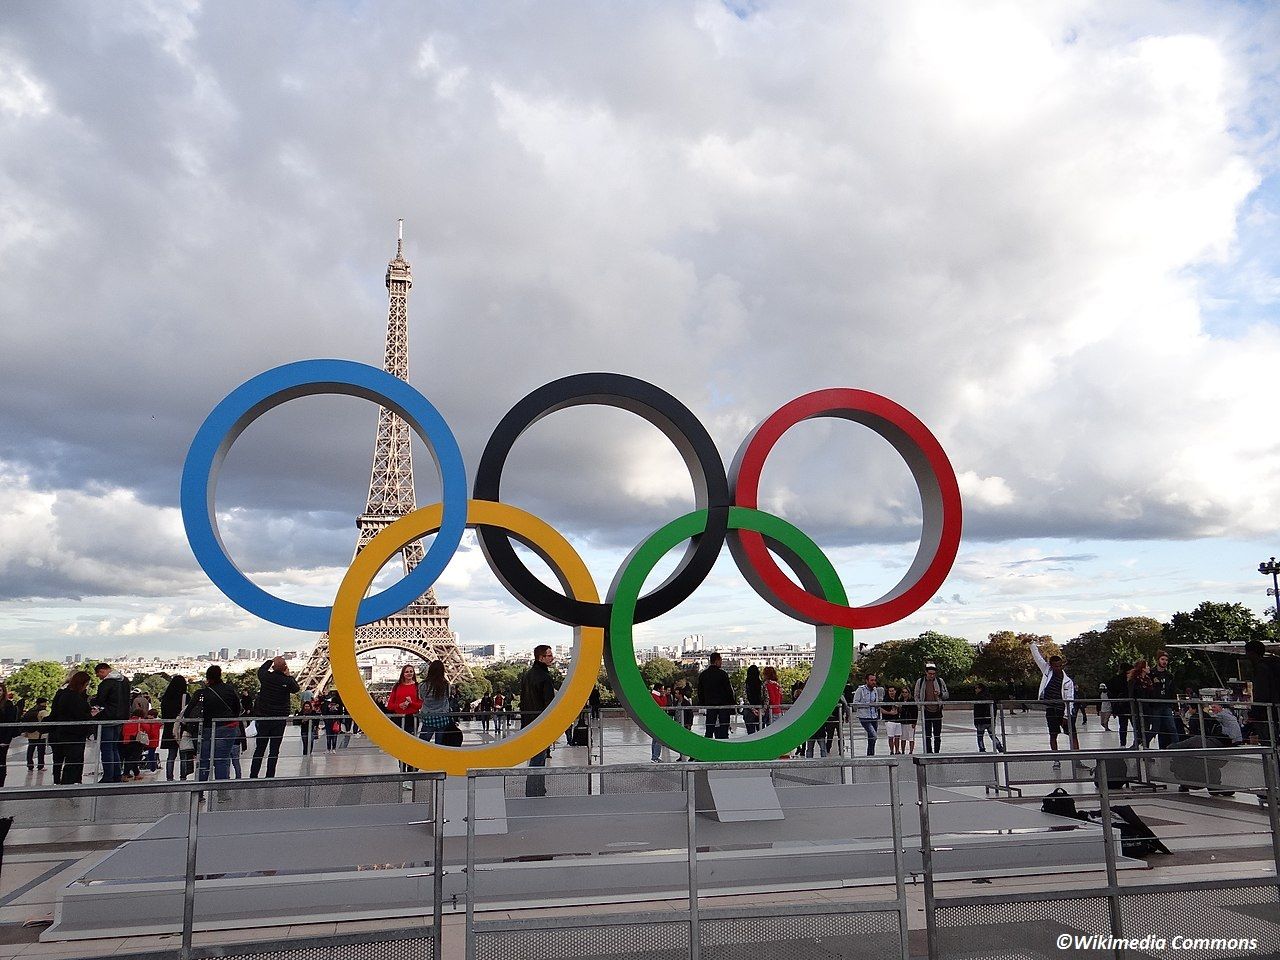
1055	245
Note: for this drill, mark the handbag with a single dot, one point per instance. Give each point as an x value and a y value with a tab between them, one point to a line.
252	729
143	738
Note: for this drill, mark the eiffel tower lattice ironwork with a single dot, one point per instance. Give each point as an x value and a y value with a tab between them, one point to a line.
422	628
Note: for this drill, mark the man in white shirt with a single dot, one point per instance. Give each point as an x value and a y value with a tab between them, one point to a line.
1058	692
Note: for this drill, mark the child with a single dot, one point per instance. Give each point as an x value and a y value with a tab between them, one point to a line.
982	719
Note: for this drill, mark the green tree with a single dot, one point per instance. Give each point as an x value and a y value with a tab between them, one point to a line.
473	687
1095	655
153	684
505	677
659	670
1004	661
904	660
1209	622
40	678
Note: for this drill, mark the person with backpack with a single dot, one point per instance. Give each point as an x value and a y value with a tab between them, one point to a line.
36	735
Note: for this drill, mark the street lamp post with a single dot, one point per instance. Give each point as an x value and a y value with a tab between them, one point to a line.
1273	569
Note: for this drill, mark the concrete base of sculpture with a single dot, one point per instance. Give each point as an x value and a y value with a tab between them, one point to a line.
736	795
331	864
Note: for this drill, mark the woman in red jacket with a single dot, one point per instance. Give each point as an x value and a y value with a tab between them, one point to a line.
404	702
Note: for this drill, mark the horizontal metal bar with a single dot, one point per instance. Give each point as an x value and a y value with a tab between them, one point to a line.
646	918
188	786
1102	892
935	759
597	769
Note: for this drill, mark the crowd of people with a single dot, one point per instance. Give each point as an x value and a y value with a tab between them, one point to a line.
203	733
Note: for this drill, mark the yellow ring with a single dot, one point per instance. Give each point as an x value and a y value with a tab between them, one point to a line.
588	642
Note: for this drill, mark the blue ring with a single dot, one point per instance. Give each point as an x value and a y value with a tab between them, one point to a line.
270	389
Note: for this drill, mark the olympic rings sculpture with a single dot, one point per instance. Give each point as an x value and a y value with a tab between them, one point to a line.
727	509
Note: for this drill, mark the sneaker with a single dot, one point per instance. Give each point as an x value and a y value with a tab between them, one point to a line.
407	785
1057	764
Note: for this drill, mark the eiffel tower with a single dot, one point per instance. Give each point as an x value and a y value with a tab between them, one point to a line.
422	628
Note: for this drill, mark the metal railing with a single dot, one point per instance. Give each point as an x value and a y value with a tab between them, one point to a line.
693	865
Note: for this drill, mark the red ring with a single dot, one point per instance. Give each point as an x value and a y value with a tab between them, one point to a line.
939	496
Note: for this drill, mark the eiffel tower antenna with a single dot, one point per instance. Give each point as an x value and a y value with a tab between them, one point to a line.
422	628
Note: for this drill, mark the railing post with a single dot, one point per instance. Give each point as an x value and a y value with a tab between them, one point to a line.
437	873
1270	764
189	889
926	858
899	864
691	812
1109	853
471	866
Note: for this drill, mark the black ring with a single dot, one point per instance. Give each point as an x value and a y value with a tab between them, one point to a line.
677	423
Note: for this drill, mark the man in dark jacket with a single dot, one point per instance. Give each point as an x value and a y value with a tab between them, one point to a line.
537	690
1159	714
219	706
1121	706
111	709
715	691
275	688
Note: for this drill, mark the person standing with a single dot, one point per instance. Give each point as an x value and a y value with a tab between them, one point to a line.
1104	707
172	704
111	710
434	707
36	735
655	745
753	700
403	703
866	703
1058	694
1164	694
682	708
537	690
772	697
8	728
275	691
930	694
220	708
909	715
982	719
71	711
331	713
716	696
892	715
1121	704
306	719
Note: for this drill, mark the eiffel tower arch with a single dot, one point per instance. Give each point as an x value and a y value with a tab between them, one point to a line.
422	628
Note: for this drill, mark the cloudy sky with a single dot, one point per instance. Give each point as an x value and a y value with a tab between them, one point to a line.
1049	230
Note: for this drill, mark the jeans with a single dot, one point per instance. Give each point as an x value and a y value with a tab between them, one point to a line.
751	718
219	742
308	740
932	734
1159	724
235	758
982	727
655	750
35	754
109	745
872	728
1123	720
185	768
270	734
718	724
536	786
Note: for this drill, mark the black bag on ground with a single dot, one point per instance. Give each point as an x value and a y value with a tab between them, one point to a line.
1136	838
451	737
1060	804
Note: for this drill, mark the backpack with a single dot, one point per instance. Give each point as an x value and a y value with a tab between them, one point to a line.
31	716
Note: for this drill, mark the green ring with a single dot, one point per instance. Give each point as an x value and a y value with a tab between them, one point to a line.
833	649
